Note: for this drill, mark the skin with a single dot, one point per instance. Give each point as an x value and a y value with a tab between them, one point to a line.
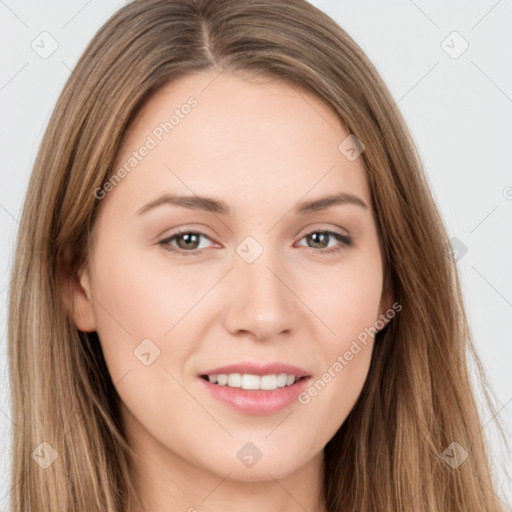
261	146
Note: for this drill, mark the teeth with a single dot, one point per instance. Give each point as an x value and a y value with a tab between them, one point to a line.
234	380
222	379
281	380
271	381
249	381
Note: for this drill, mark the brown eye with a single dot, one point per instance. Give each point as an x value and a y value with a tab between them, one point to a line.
184	242
188	240
320	240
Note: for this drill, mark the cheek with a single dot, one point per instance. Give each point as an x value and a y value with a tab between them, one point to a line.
348	304
147	295
135	302
346	297
146	316
353	306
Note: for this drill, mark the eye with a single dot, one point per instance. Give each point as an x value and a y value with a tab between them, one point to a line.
188	243
322	238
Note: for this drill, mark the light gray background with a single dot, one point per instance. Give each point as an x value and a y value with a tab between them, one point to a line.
459	111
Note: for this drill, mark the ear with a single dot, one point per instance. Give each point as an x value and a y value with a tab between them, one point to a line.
78	297
386	304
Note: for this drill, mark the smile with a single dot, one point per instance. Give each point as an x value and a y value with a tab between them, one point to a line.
253	382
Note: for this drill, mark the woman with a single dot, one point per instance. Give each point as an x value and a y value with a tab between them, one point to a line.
234	285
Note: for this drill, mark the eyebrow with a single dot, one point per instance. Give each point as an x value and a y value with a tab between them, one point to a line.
218	206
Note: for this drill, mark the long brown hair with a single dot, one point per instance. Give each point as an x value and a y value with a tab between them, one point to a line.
417	400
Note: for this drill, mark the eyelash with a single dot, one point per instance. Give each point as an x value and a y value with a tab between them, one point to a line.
346	241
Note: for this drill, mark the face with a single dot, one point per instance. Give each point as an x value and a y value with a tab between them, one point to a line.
258	274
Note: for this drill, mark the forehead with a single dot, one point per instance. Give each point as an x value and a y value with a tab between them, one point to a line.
219	133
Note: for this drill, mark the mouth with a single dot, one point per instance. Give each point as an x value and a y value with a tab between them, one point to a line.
252	382
256	389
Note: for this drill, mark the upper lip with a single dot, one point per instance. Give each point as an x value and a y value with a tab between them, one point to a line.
259	369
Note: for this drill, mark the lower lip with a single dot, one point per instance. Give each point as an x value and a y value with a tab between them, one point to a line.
257	401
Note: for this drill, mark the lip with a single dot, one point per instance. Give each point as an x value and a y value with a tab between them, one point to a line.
259	369
257	402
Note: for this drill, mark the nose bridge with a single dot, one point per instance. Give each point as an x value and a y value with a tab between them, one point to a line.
260	302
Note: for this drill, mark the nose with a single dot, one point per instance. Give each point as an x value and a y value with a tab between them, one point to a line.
260	299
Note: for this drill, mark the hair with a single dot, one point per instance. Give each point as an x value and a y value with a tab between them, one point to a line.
418	397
